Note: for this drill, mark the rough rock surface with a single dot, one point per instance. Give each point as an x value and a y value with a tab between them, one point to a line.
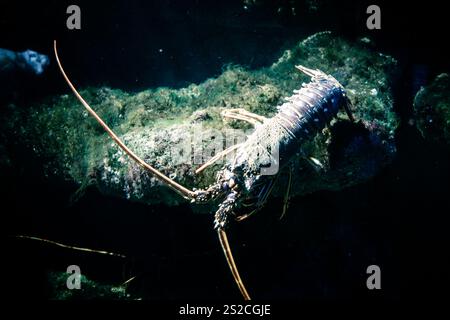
165	125
432	110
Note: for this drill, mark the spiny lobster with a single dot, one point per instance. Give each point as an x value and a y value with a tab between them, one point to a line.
245	183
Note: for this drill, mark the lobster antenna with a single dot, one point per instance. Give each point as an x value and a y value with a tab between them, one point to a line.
227	251
186	193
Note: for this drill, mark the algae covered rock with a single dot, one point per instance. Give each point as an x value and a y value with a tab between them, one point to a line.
176	130
89	289
432	110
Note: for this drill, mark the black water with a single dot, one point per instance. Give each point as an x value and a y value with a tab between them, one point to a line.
321	250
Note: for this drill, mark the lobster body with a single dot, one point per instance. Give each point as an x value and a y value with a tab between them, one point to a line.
277	140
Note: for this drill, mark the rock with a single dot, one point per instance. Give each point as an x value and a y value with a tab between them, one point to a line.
199	116
172	128
432	110
19	70
28	61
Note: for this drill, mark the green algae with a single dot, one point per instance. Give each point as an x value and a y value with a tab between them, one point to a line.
432	110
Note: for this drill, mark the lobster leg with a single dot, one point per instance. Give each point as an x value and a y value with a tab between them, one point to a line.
217	157
348	110
186	193
238	114
261	199
315	163
310	72
286	195
244	115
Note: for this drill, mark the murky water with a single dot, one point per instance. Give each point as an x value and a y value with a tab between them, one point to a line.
396	219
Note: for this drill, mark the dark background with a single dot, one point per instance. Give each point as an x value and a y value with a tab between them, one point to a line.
398	220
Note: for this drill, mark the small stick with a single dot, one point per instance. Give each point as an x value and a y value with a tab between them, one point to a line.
71	247
128	281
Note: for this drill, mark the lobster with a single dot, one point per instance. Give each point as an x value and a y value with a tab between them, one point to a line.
244	184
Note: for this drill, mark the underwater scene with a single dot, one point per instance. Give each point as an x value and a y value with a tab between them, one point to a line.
264	150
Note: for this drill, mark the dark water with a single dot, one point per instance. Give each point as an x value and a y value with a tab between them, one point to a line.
398	220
